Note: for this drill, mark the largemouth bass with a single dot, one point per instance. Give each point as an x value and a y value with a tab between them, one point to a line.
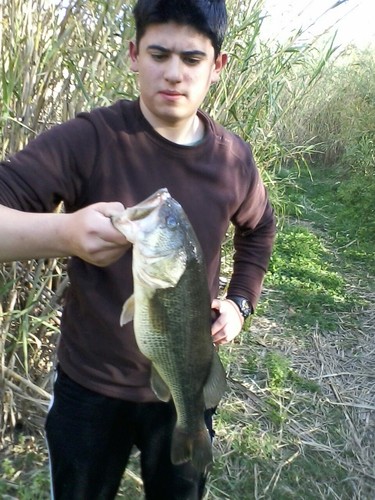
171	310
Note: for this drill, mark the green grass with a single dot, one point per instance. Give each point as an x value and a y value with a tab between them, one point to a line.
341	206
310	282
24	471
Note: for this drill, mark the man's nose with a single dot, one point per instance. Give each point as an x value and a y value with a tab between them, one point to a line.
174	69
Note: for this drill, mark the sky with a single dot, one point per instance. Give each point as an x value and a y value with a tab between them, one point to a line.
353	19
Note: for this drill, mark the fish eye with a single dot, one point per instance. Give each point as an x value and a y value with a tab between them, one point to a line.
171	222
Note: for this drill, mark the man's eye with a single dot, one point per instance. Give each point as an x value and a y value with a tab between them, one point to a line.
159	57
191	61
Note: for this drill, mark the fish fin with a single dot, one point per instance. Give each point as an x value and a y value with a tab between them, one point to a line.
158	385
127	313
168	280
216	383
195	447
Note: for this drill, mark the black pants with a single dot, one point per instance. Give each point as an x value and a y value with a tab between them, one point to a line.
90	438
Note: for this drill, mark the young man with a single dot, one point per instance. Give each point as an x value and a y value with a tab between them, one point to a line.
98	163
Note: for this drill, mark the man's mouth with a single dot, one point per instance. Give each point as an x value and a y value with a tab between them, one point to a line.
171	94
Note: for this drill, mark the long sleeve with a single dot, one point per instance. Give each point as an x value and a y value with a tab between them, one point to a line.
255	230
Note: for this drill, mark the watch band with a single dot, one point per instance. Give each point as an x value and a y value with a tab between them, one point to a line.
242	304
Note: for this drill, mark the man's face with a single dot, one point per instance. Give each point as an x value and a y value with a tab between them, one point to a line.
176	66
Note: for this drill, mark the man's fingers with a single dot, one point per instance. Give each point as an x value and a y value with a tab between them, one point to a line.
110	209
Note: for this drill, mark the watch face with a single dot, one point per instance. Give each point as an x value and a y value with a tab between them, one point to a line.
245	308
243	305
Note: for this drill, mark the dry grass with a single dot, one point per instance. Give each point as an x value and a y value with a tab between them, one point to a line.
29	323
335	425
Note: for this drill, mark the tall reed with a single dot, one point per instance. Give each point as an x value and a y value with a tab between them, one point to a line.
58	60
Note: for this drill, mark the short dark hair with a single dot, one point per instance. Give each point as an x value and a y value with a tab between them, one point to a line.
208	17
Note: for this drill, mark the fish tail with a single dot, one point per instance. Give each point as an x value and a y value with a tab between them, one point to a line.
195	447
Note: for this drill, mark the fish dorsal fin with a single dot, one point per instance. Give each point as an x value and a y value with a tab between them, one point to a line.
216	383
127	313
158	385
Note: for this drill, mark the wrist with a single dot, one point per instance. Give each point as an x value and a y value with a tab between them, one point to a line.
63	231
242	304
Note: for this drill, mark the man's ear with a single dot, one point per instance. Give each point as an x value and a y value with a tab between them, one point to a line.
133	53
220	63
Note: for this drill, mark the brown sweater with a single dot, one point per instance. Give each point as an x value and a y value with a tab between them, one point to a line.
113	154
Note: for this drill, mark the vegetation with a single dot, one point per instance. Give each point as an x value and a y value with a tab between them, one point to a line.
298	421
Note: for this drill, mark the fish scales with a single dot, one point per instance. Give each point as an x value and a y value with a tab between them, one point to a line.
176	311
172	319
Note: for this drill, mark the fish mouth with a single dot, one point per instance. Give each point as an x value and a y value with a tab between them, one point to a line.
142	209
155	199
147	206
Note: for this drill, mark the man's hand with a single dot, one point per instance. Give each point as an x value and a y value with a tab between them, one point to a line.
87	233
90	235
229	322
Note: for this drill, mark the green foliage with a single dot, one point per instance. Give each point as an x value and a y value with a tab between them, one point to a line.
281	375
301	269
24	476
342	206
338	114
356	191
278	368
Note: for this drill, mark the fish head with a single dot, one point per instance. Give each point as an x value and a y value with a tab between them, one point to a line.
162	239
136	221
